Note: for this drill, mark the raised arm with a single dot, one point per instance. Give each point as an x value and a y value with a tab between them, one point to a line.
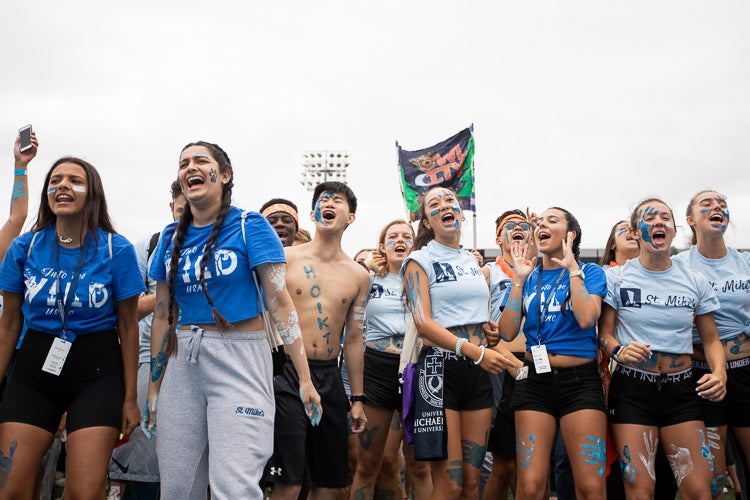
586	306
19	200
280	305
510	321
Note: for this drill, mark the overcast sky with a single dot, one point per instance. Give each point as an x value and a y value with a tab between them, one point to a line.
587	105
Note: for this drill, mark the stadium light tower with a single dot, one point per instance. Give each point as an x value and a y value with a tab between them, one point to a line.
323	166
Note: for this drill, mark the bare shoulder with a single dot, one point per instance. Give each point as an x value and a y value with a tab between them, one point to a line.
356	271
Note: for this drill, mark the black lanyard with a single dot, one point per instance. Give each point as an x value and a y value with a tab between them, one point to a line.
64	301
544	307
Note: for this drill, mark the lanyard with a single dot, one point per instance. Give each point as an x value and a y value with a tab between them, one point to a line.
64	302
544	307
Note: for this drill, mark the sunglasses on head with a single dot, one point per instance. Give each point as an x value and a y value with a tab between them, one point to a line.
511	225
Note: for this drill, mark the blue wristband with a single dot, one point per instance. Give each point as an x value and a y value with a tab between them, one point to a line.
19	172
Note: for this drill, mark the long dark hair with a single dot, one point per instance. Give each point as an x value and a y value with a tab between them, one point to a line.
573	225
610	255
95	214
426	234
221	157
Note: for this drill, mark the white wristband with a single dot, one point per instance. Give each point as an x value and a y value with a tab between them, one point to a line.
481	356
459	344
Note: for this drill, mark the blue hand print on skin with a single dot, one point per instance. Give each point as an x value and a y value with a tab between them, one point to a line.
525	451
6	463
644	226
706	449
626	466
595	452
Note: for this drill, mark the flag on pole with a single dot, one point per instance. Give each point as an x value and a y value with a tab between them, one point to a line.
449	164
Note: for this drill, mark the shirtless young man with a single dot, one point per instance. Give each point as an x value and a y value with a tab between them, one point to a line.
329	291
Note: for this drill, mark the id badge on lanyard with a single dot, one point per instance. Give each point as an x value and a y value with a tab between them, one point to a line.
539	351
60	348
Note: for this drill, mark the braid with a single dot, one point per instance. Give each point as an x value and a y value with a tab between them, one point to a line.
179	239
220	320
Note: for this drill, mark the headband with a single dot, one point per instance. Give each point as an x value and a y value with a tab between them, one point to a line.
281	207
506	219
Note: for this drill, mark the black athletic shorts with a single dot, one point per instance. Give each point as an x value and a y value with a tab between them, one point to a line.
734	409
302	454
502	440
560	391
655	399
90	387
381	379
467	386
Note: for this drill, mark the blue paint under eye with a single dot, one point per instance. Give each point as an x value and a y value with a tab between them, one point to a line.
434	212
51	189
621	232
79	189
390	244
705	210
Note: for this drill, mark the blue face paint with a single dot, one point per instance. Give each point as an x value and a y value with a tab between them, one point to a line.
317	214
434	212
79	189
621	232
644	227
595	453
51	190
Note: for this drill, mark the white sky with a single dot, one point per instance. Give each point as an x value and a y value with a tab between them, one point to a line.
588	105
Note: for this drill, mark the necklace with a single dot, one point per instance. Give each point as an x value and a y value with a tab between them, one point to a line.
65	240
505	267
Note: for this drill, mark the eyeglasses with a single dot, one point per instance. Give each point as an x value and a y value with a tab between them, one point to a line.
511	225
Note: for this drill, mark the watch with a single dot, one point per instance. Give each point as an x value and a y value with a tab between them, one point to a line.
578	274
362	398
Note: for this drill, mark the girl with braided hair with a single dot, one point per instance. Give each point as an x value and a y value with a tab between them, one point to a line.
217	394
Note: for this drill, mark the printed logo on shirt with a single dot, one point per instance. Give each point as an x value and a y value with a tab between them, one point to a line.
376	291
630	297
191	260
443	272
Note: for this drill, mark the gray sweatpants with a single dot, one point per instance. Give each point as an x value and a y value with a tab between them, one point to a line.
215	416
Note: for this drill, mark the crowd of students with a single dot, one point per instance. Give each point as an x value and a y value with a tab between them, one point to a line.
217	346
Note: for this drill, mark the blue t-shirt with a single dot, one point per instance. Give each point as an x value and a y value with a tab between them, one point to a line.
499	290
560	333
229	274
658	307
729	276
458	291
386	311
102	282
